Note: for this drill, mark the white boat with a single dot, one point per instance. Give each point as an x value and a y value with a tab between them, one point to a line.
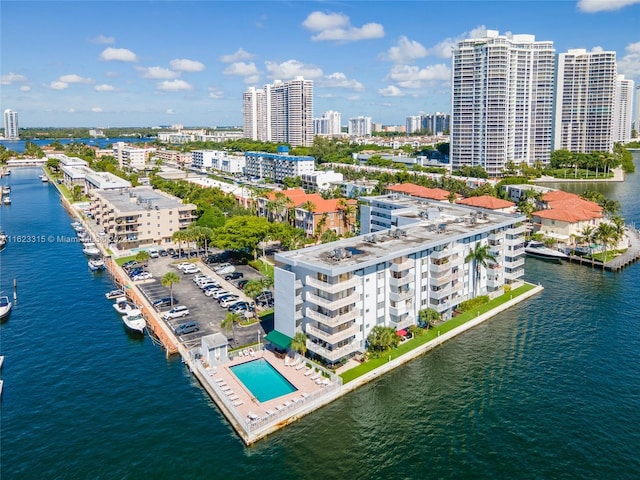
90	249
538	249
96	264
134	321
6	190
5	307
123	306
3	240
7	200
1	360
44	178
114	294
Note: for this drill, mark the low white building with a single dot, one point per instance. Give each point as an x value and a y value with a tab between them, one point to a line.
318	181
135	158
277	166
337	293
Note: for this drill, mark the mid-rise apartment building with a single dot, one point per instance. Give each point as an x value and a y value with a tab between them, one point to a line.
585	101
501	101
130	157
330	124
11	128
337	293
137	216
277	166
320	180
360	127
280	112
623	110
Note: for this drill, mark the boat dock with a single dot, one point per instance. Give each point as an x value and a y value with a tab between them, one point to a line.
631	255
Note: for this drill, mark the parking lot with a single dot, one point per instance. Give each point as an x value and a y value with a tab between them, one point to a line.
205	310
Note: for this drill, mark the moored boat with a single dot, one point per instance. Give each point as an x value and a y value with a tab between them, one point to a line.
3	240
90	249
5	307
539	250
114	294
6	190
7	200
123	306
96	264
134	320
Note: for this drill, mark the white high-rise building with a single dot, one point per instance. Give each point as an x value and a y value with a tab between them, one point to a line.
330	123
11	129
360	126
280	112
585	101
501	101
637	120
413	123
623	111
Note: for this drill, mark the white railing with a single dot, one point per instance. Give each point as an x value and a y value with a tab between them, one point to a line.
333	321
332	337
332	287
333	304
333	355
399	296
399	267
399	282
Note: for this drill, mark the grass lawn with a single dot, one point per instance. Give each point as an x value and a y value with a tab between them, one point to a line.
121	261
264	268
432	333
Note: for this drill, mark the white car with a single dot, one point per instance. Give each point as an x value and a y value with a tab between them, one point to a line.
220	293
176	312
226	270
191	269
200	276
229	301
212	291
142	276
183	265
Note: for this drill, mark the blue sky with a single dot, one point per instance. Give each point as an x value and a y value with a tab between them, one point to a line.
144	63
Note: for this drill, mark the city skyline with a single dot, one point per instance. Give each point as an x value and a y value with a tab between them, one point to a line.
149	63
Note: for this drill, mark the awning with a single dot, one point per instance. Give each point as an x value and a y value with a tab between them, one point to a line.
401	333
280	340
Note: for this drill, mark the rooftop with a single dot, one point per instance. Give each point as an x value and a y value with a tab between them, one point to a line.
141	198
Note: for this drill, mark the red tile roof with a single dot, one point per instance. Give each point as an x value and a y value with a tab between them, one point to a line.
568	207
487	201
419	191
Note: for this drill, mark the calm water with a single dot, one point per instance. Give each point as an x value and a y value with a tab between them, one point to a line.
549	389
18	145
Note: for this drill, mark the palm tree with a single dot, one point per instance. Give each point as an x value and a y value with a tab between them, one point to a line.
479	256
142	256
168	280
229	321
348	211
588	235
178	236
606	234
428	316
452	197
299	343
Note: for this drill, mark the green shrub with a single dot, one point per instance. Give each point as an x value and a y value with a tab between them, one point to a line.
473	303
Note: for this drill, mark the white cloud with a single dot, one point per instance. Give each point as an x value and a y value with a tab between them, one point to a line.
73	78
102	39
251	79
118	54
629	64
186	65
406	51
337	26
354	98
174	86
58	85
591	6
104	88
339	80
170	111
391	91
215	93
11	78
158	73
25	88
237	56
96	109
597	49
71	110
241	69
443	48
409	76
291	69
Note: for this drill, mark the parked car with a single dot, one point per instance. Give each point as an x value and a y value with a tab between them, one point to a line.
209	286
210	292
164	302
183	265
142	276
176	312
153	253
242	283
162	252
240	306
226	270
187	327
190	270
233	276
171	251
220	293
228	300
129	264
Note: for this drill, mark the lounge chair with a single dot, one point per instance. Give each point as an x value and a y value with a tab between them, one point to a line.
234	398
300	366
237	403
304	394
295	399
252	416
308	372
245	352
251	352
240	354
287	404
229	393
226	388
326	382
269	413
218	380
280	408
316	376
319	381
286	361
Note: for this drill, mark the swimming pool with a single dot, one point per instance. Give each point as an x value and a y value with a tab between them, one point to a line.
262	380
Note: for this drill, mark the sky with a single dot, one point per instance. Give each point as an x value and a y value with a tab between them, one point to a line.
150	63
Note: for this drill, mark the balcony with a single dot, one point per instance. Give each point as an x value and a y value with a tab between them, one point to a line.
399	282
441	293
333	304
494	281
332	338
399	296
444	253
516	230
401	309
513	275
496	237
333	355
404	322
435	268
333	321
400	267
515	263
332	287
298	315
441	280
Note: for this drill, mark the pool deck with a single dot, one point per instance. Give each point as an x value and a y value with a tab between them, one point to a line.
254	420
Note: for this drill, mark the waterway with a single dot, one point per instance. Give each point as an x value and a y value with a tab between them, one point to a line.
548	389
18	145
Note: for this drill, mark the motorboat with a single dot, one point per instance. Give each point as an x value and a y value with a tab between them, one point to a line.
44	178
1	360
134	320
90	249
114	294
123	306
77	226
96	264
3	240
539	250
7	200
5	307
6	190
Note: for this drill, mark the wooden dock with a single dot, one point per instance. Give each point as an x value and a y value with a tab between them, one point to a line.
621	261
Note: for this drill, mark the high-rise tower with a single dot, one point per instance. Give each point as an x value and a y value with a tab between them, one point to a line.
11	129
501	101
623	110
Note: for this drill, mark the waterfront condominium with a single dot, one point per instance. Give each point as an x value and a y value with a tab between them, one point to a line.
336	293
330	124
360	126
637	119
623	110
137	216
277	166
281	112
501	101
11	129
585	101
